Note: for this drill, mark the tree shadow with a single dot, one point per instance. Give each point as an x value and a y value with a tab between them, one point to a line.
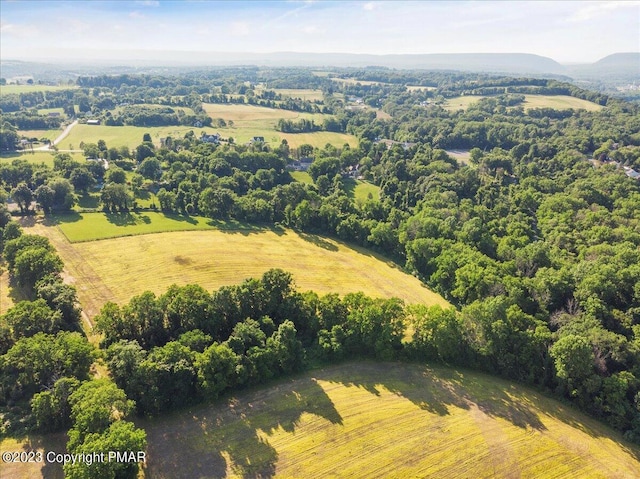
318	241
88	201
59	218
178	217
55	443
437	390
121	218
233	434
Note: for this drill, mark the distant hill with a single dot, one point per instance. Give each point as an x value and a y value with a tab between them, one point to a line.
621	66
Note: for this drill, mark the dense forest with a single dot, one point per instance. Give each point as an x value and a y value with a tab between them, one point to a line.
535	240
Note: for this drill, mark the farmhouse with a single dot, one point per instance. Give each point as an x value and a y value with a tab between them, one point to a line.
257	139
215	138
301	165
93	122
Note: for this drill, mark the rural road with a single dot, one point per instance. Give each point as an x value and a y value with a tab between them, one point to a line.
61	137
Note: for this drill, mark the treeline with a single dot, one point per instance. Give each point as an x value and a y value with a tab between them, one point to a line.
45	363
187	344
140	115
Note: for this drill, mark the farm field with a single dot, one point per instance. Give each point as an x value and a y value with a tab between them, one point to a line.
130	136
48	134
559	102
303	94
250	121
17	89
365	419
119	268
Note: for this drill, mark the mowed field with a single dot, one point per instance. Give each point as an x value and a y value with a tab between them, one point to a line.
130	136
558	102
251	120
365	419
119	268
17	89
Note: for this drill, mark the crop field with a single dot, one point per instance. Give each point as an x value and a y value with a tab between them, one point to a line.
365	419
119	268
17	89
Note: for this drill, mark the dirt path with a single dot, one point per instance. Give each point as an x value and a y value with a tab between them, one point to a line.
92	293
61	137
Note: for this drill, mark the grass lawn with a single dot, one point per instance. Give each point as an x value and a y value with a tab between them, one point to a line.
302	177
117	269
360	190
365	419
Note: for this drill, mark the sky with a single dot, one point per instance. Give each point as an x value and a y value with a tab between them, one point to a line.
568	32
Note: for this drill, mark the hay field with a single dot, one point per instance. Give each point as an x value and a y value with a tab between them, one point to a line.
118	269
17	89
303	94
365	419
48	134
559	102
251	120
130	136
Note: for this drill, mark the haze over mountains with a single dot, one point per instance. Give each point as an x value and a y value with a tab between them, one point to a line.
622	66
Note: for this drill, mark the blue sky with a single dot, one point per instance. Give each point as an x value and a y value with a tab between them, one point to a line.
574	31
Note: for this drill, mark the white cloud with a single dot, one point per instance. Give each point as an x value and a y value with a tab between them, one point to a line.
594	10
136	14
149	3
369	6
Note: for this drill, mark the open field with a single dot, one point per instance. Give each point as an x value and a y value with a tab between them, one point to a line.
36	157
131	136
50	443
460	102
303	94
353	81
558	102
48	134
119	268
155	106
302	177
462	156
365	419
8	89
360	190
420	88
250	121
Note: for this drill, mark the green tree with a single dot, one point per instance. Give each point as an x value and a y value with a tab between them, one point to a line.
45	196
22	195
33	264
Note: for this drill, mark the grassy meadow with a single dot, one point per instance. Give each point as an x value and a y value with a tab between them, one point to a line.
251	120
48	134
116	269
37	157
17	89
365	419
301	93
558	102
